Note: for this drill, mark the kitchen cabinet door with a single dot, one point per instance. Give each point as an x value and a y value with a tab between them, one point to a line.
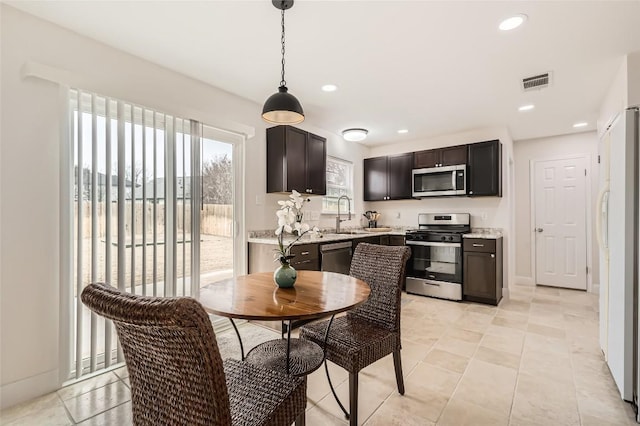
316	164
399	176
396	240
479	275
482	270
296	159
484	169
453	156
426	159
375	179
449	156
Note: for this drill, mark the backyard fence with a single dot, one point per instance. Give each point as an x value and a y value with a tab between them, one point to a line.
215	219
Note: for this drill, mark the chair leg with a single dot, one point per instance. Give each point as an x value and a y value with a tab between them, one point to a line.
301	419
353	399
397	363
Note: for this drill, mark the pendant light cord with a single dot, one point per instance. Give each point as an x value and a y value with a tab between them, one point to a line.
283	82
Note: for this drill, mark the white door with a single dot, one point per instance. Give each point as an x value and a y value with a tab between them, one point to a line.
560	223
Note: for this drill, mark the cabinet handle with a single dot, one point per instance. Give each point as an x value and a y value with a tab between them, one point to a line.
304	253
493	256
478	245
311	191
470	192
304	261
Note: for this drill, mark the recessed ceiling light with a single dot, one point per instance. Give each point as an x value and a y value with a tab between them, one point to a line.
581	124
329	88
354	135
512	22
526	107
402	131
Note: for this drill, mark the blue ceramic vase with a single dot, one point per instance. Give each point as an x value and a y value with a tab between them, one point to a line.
285	276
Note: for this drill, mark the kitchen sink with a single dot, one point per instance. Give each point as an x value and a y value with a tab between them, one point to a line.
353	232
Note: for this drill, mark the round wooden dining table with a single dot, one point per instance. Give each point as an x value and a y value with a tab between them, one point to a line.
256	297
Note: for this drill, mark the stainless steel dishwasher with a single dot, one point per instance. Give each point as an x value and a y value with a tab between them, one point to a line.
336	257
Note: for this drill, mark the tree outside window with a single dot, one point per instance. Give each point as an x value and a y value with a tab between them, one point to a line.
339	182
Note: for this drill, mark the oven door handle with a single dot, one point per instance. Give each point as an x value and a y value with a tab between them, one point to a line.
432	244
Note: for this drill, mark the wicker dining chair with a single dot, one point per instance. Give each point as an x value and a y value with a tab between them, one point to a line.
177	375
372	330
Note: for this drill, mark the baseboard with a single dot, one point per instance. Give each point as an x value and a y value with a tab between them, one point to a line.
29	388
505	292
520	280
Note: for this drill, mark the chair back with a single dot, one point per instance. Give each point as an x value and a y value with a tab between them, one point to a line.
383	268
170	349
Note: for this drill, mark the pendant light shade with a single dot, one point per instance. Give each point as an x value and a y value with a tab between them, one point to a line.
282	107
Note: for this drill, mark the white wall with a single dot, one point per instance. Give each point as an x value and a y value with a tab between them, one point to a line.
623	92
633	75
542	149
30	173
615	100
486	212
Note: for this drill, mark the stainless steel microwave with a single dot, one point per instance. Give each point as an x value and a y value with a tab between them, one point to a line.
436	181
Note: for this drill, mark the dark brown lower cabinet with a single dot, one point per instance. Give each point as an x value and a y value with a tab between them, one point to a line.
482	270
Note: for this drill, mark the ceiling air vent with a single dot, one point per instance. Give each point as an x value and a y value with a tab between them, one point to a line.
536	82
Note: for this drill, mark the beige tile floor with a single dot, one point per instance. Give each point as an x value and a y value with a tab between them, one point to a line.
534	360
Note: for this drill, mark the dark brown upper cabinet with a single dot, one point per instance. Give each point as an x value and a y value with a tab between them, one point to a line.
484	169
388	178
449	156
296	159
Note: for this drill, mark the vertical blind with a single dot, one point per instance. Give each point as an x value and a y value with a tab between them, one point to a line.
136	212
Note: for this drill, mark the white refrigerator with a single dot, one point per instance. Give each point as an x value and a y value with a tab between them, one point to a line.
618	231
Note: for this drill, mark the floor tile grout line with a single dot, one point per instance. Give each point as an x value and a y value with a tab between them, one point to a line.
455	389
73	420
515	387
66	410
102	412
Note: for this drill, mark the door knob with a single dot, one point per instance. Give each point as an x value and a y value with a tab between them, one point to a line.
539	229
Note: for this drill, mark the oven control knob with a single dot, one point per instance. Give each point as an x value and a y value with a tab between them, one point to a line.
450	238
443	238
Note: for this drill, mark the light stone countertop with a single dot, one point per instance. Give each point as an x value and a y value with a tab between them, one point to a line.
486	233
326	237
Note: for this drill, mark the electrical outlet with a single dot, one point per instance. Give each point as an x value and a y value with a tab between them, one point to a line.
259	199
398	215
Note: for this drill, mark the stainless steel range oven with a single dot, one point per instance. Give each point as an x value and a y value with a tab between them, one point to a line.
435	266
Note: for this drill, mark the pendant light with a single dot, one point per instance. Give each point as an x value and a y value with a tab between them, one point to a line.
282	107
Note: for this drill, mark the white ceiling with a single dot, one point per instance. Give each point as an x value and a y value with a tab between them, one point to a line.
431	67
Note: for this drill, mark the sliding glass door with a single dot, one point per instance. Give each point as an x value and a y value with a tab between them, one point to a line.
155	211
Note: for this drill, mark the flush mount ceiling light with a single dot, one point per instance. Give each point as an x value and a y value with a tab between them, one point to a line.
354	135
329	88
512	22
402	131
581	124
526	107
282	107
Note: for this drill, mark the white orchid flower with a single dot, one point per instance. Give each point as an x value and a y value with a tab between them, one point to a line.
290	216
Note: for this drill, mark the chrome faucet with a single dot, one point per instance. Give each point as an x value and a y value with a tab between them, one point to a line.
338	220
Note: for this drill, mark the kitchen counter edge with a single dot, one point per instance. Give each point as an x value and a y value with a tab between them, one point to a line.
326	238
